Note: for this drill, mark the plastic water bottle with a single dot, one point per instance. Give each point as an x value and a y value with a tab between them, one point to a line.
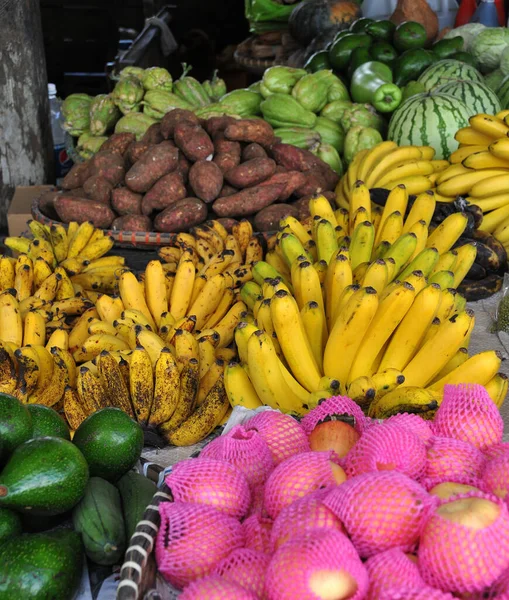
486	14
62	162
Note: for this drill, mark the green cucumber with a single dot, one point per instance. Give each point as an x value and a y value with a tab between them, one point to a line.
136	492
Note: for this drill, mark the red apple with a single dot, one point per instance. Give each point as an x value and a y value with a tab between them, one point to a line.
333	435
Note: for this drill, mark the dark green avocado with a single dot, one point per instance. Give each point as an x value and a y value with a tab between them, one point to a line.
47	421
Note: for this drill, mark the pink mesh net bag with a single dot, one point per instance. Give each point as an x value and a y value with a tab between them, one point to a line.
387	447
495	477
414	423
304	515
296	477
244	449
257	531
420	593
192	539
214	587
301	568
246	567
282	433
381	510
449	459
257	497
212	482
468	413
336	405
496	450
464	545
391	569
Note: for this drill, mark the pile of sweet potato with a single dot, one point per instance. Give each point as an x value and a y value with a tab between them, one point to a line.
185	171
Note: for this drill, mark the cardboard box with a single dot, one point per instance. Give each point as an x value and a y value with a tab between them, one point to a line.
20	210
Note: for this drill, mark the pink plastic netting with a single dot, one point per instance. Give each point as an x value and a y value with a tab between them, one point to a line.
214	587
495	476
449	459
192	539
391	569
381	510
458	558
468	413
296	477
387	447
257	531
496	450
257	498
246	567
308	513
282	433
336	405
414	423
212	482
244	449
296	568
420	593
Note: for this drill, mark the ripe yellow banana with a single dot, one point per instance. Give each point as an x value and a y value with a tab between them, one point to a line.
466	256
242	232
313	320
468	136
376	275
485	160
226	326
489	125
362	390
90	390
104	261
495	218
402	172
497	388
458	359
11	327
65	287
80	239
28	371
188	388
448	232
207	355
155	286
459	155
360	199
23	280
468	183
152	343
239	389
53	392
339	276
166	389
76	305
95	344
446	262
373	157
48	289
500	148
387	381
59	338
243	332
320	206
207	300
97	248
42	248
141	384
391	160
7	274
425	261
132	296
414	400
59	241
8	375
109	308
421	231
361	245
390	230
34	330
326	241
479	368
351	176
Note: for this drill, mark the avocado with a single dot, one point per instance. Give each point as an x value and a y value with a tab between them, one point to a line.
15	424
318	61
10	524
409	35
444	48
46	476
383	52
341	50
41	566
359	26
110	441
381	30
47	421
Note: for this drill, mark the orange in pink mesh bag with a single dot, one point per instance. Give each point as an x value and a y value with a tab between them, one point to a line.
246	450
282	433
297	476
336	405
449	459
257	531
418	593
303	515
245	567
468	413
387	447
192	539
496	450
212	482
464	545
214	587
381	510
495	477
318	564
391	569
414	423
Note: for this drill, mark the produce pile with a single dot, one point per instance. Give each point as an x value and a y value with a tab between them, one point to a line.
340	506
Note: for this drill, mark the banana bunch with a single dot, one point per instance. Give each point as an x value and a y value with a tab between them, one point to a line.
350	304
386	166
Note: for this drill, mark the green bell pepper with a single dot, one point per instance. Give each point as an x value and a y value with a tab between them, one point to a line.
372	84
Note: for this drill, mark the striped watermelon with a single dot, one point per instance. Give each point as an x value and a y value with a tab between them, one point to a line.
477	97
429	120
503	93
448	70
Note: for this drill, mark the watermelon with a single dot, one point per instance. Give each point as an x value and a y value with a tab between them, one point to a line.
503	93
448	70
476	96
429	120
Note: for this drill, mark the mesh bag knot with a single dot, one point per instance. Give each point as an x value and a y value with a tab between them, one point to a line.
212	482
387	446
335	405
468	413
381	510
192	539
295	569
245	567
214	587
391	569
458	557
413	423
282	433
257	531
296	477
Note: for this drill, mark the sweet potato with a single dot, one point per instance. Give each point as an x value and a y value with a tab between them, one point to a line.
224	146
177	115
268	218
293	180
77	192
46	201
214	125
317	181
136	150
97	188
77	176
251	130
227	190
181	216
183	167
118	142
75	209
132	223
151	166
109	165
126	202
206	180
164	192
251	172
302	206
153	135
227	223
226	161
253	150
193	140
293	158
248	201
